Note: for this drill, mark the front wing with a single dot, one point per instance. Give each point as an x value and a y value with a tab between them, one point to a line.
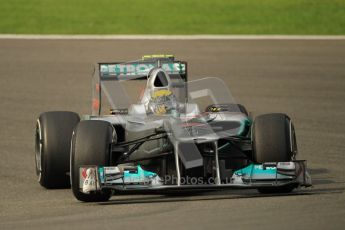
126	178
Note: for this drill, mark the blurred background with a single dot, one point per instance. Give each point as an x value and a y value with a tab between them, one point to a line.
172	17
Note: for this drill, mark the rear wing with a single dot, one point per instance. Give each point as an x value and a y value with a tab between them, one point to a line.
139	70
136	70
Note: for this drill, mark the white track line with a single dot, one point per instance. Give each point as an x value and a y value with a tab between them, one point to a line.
171	37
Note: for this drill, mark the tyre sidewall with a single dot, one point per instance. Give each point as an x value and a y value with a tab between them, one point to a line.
90	146
55	129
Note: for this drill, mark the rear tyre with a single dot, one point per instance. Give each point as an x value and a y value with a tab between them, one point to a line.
52	147
91	145
273	140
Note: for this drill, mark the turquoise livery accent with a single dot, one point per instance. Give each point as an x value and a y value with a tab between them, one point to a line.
133	175
134	69
256	169
244	124
257	172
138	176
101	174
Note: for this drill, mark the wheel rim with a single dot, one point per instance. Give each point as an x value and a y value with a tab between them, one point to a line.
38	151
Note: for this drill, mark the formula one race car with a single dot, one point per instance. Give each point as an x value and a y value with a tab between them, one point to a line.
172	135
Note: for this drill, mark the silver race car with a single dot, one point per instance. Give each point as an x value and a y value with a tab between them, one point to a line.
164	133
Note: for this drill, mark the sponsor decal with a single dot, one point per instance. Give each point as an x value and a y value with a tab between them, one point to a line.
111	170
90	182
83	173
95	104
139	68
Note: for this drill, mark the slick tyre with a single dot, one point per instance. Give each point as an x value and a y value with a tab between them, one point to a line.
91	145
52	148
273	139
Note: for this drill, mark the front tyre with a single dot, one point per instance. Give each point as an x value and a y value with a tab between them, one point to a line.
273	139
91	145
52	147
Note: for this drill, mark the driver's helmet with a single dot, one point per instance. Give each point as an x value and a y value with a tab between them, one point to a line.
159	97
162	102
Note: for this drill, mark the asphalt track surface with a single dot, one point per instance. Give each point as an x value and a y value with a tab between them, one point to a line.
305	79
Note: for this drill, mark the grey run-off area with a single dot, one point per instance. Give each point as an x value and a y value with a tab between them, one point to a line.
305	79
